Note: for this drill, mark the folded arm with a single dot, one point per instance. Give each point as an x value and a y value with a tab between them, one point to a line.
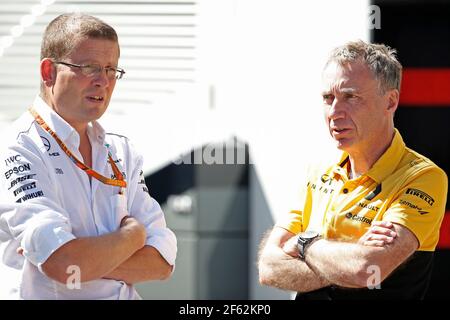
281	270
352	264
144	265
96	256
385	245
117	255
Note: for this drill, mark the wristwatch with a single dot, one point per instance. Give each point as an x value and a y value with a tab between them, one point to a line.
304	239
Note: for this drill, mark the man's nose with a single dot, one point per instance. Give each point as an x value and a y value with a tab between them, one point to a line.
337	110
101	78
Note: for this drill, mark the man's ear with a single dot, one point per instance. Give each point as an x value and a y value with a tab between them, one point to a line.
48	72
393	100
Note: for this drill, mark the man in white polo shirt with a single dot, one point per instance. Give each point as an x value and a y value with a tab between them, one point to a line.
76	218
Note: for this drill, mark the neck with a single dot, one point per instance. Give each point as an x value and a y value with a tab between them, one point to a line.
80	128
362	160
85	149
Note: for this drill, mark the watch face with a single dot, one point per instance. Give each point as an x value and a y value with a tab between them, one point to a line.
308	234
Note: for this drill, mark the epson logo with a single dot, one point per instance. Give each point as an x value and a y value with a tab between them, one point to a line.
18	169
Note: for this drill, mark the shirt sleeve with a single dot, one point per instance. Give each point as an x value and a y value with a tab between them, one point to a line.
420	207
30	213
294	220
148	211
297	219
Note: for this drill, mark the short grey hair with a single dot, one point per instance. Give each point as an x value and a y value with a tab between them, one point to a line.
379	58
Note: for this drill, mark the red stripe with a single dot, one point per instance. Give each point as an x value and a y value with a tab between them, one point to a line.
444	238
425	87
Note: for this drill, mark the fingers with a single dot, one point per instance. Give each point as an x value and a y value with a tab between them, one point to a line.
374	243
385	224
380	237
290	247
382	230
290	251
381	233
122	222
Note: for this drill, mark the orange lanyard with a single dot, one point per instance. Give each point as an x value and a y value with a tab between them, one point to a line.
119	182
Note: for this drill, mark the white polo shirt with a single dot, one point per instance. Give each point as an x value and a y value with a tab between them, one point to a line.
47	201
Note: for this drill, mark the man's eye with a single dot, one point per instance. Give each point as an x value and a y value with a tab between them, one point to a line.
327	97
90	69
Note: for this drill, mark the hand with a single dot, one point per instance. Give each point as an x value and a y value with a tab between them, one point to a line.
290	247
380	234
135	227
127	220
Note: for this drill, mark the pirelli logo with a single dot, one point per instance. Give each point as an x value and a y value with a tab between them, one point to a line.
420	194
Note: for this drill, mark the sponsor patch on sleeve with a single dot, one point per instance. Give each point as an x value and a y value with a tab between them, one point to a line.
421	195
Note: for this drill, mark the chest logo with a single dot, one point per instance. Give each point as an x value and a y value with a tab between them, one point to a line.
355	217
326	178
374	193
46	143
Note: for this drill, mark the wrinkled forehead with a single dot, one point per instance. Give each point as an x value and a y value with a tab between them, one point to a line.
348	76
100	48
